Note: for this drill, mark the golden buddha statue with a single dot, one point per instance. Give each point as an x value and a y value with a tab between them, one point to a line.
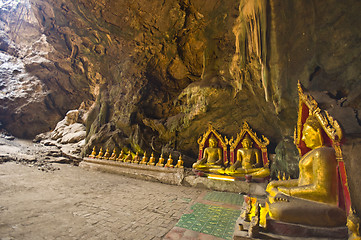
169	162
136	158
248	162
100	154
179	163
353	224
129	158
121	156
212	157
144	159
312	198
151	160
93	154
114	155
106	155
160	161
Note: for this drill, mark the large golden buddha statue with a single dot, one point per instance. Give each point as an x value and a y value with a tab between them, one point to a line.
320	196
318	202
211	156
312	198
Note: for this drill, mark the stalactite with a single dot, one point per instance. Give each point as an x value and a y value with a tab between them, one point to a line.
249	59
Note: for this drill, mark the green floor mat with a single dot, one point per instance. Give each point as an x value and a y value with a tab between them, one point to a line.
230	198
212	220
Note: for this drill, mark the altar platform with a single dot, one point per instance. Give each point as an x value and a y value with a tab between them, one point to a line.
174	176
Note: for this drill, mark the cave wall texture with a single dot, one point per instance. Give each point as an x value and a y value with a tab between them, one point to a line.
153	74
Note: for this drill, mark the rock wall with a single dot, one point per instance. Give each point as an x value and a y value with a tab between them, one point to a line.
38	85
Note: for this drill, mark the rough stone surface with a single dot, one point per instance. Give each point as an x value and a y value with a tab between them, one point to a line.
38	85
161	71
351	152
73	203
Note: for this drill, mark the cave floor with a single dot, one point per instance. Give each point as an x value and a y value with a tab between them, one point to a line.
69	202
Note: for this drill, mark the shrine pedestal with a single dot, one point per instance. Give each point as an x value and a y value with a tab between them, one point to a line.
173	176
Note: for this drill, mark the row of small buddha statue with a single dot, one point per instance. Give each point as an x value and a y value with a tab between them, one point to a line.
137	159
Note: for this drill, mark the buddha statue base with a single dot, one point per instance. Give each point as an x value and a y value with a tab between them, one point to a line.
299	230
256	209
247	173
208	168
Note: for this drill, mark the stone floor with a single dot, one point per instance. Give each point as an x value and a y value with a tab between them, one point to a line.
73	203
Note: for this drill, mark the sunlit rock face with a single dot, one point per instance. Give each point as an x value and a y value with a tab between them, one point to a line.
38	84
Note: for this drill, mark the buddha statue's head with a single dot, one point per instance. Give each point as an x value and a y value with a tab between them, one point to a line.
213	142
312	133
247	142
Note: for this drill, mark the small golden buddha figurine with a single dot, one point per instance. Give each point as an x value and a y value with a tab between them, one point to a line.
169	162
312	198
93	154
160	161
179	163
353	224
121	156
100	154
114	155
151	160
248	162
106	155
212	157
144	159
129	158
136	158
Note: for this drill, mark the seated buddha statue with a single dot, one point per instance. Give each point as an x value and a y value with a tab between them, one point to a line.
151	160
93	154
136	158
106	155
160	161
121	156
312	198
212	157
169	163
128	158
144	159
248	162
114	155
100	154
179	162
